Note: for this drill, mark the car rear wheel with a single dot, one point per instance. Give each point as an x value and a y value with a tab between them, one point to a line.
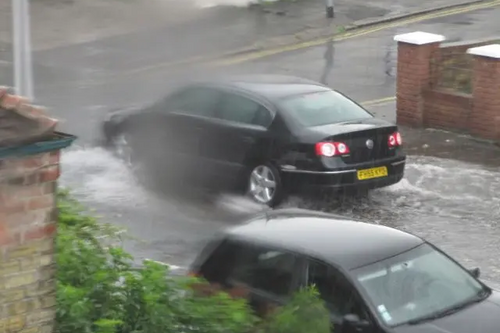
264	185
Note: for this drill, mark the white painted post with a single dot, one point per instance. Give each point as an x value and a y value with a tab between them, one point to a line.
23	67
329	9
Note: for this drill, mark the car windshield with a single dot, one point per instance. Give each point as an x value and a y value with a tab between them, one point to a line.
417	284
322	108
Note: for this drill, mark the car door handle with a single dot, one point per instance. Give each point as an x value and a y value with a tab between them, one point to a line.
248	139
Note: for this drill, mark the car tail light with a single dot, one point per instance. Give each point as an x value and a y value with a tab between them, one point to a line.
395	140
330	149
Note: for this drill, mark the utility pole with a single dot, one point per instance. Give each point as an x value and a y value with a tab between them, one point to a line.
329	9
21	30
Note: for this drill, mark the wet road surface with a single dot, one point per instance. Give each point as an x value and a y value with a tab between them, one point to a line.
363	67
454	204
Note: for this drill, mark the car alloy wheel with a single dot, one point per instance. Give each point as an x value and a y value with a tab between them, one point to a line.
265	185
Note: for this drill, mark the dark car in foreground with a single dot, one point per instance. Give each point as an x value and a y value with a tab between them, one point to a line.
373	279
266	135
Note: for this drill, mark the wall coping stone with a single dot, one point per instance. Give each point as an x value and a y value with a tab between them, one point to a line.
489	51
419	38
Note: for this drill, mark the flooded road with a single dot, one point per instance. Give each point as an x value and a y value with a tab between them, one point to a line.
453	204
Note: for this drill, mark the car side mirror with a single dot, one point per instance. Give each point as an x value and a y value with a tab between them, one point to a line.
476	272
353	324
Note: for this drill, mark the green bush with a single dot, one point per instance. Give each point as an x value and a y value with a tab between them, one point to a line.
304	313
100	291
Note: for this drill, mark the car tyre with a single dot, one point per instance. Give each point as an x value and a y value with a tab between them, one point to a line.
265	186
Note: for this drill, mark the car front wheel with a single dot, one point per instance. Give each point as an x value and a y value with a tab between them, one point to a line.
264	185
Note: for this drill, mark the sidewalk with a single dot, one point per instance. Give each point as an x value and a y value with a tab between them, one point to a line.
75	40
442	144
172	23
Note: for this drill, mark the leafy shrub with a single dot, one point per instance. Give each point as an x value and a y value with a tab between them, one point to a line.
305	312
100	291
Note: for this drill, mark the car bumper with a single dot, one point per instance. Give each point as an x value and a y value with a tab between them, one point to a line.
345	178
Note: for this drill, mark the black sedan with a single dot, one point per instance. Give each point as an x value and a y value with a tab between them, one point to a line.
373	279
266	135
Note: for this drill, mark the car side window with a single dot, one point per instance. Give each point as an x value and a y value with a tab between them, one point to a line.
335	290
196	101
265	269
243	110
220	262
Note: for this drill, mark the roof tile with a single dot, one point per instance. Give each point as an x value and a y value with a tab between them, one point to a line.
21	122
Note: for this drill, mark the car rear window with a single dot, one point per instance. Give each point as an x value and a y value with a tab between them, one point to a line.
322	108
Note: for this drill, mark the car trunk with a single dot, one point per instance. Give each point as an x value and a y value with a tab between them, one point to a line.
355	135
360	150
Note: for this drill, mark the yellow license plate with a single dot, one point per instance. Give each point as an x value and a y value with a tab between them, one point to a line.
372	173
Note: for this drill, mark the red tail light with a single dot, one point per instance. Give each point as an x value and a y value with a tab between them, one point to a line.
330	149
395	140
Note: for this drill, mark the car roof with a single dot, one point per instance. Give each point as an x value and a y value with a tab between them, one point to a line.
331	238
271	87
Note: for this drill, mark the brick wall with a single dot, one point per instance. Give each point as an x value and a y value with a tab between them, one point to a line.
446	110
425	99
28	213
485	114
28	225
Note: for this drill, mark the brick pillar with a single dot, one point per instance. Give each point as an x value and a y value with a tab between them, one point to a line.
484	119
415	50
28	180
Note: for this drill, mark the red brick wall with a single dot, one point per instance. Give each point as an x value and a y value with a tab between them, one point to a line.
27	236
413	77
27	230
421	103
485	116
453	57
447	109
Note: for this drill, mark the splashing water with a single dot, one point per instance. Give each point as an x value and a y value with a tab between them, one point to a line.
444	186
95	176
454	204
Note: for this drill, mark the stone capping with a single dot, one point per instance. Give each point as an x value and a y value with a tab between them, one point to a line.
489	51
419	38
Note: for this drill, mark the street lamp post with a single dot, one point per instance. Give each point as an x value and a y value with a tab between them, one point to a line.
330	13
23	67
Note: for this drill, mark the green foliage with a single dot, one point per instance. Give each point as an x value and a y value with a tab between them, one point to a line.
305	312
100	291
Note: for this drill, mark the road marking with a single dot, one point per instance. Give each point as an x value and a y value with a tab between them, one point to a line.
351	34
226	59
379	102
171	267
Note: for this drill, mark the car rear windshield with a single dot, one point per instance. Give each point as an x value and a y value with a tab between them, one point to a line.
322	108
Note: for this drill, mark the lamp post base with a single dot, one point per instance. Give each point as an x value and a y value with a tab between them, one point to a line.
330	12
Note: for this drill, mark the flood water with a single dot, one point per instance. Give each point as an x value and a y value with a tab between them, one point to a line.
453	204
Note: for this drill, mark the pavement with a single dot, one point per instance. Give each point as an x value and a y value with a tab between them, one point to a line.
79	40
56	23
449	194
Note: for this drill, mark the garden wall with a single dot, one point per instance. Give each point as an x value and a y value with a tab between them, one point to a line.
29	169
450	86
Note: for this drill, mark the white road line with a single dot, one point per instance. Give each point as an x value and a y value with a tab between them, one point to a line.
171	267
